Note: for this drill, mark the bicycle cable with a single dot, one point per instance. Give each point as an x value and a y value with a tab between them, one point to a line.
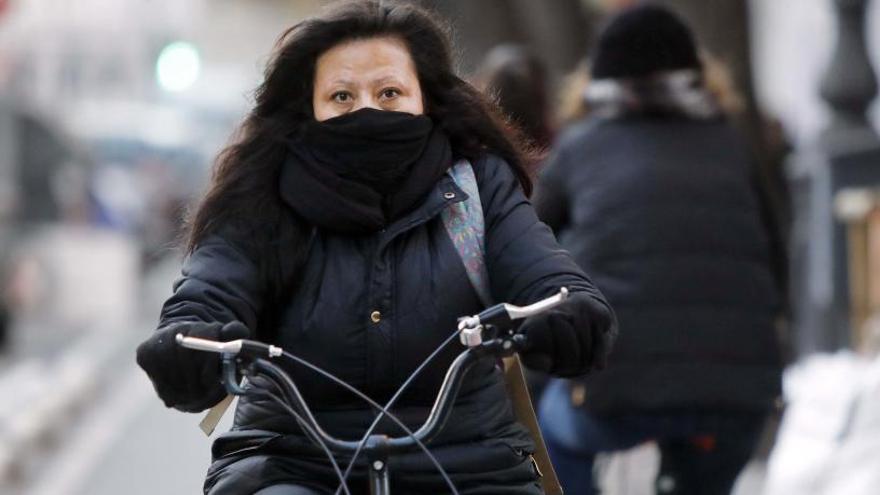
390	403
383	412
309	431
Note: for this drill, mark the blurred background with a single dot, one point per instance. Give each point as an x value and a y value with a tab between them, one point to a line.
111	112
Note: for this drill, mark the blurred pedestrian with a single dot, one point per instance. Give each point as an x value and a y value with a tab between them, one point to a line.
655	195
516	80
323	232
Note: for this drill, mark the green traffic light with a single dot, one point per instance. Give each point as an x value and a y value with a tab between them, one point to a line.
178	66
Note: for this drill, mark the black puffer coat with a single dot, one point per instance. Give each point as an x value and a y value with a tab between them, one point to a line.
664	215
369	310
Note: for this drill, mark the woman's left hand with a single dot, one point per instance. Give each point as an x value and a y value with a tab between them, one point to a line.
572	338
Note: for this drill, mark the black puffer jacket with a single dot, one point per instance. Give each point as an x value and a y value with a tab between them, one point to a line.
664	216
369	310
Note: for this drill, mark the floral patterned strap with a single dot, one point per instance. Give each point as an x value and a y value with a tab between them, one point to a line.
466	227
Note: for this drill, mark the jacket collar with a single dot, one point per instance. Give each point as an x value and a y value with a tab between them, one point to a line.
444	193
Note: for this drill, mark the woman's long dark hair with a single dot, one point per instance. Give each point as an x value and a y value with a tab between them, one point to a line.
243	197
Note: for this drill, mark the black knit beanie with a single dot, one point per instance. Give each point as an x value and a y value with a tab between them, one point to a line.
642	40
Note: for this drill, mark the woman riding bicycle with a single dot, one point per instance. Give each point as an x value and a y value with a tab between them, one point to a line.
322	233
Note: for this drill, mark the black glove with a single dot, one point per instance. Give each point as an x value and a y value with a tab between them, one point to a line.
186	379
571	338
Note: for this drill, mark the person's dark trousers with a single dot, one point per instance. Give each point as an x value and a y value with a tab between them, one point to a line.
700	453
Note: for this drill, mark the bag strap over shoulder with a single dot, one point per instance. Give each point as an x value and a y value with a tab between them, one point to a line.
465	223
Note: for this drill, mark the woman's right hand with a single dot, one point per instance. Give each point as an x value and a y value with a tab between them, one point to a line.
185	379
570	339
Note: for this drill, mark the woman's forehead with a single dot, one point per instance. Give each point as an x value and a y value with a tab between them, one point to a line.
372	59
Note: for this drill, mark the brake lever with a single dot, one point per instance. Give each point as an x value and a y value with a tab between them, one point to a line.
231	352
501	316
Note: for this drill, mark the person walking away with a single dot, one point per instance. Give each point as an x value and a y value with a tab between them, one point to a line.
655	196
517	80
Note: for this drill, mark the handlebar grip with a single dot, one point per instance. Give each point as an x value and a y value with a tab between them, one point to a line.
498	315
545	304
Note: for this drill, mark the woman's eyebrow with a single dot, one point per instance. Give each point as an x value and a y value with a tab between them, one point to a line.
388	79
342	82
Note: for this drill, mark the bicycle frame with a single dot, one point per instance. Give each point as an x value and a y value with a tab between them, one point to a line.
377	447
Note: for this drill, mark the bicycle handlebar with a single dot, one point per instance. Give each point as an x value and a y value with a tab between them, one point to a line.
499	316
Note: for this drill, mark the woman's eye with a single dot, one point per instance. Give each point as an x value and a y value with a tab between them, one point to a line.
341	97
390	93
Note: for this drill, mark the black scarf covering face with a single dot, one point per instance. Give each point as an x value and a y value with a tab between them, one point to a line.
356	173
